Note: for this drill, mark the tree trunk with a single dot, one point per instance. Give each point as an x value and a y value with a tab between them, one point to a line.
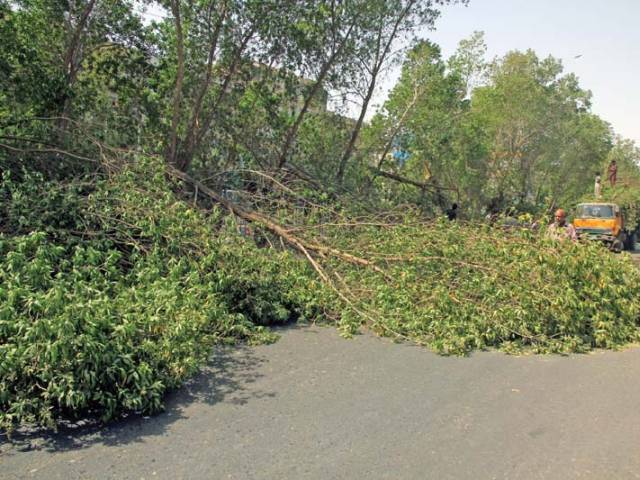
196	134
292	132
71	64
356	130
186	155
408	181
177	93
399	125
379	61
299	244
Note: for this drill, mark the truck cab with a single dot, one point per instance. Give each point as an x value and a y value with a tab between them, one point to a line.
602	222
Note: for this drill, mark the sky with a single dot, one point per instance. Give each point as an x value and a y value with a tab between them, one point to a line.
605	33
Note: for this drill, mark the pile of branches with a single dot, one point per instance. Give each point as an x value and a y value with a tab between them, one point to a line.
453	286
113	290
116	283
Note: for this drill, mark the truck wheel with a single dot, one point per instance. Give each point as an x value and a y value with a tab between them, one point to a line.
617	246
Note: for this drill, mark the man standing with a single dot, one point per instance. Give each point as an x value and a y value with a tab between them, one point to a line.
452	213
612	172
597	189
560	229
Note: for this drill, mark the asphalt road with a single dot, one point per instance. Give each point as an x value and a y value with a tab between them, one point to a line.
316	406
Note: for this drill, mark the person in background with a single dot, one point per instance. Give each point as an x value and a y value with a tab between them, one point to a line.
452	213
597	189
560	229
612	173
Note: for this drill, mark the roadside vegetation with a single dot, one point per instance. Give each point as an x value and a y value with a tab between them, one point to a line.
112	296
458	288
177	180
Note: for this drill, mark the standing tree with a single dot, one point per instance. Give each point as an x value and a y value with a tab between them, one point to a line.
387	23
539	128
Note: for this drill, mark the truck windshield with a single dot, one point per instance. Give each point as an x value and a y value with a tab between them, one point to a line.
595	211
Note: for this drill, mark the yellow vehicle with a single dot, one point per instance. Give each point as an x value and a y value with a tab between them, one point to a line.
602	222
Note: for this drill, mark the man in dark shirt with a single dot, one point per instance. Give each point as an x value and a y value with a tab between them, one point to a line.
612	171
452	213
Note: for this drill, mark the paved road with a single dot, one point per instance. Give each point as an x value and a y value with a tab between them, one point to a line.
316	406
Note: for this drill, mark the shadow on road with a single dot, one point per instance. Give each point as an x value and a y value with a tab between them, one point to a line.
227	378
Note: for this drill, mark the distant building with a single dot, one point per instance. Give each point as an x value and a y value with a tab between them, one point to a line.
297	87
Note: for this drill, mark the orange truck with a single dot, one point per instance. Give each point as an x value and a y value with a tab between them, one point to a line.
601	222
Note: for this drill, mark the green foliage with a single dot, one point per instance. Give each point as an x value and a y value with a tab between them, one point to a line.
28	203
113	288
105	308
322	138
80	336
544	140
41	55
30	81
513	133
457	288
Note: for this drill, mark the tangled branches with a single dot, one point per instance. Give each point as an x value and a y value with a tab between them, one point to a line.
458	287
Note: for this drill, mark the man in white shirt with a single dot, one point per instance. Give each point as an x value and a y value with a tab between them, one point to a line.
598	187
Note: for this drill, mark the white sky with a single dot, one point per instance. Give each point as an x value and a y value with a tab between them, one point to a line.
605	33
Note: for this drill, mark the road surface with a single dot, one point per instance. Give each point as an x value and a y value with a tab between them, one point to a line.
316	406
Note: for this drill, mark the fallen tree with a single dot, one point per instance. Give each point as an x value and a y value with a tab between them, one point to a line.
457	287
114	288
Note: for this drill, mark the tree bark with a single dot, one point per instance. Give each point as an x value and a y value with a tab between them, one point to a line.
401	179
399	125
187	155
299	244
177	93
70	53
293	130
197	133
379	61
